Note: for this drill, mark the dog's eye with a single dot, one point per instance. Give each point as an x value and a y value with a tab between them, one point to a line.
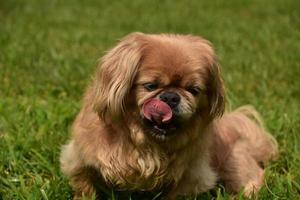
150	86
194	90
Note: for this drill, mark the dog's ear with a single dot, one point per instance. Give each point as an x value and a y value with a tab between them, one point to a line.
115	75
216	91
215	86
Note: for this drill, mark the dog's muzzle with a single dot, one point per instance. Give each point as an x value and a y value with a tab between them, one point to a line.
159	116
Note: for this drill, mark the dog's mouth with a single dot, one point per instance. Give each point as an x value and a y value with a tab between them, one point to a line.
159	119
161	131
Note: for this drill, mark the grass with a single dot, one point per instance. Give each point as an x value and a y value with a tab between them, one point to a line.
49	48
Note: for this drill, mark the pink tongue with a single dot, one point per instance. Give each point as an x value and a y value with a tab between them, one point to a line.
157	110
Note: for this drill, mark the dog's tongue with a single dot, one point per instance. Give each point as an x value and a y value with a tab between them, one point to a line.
158	111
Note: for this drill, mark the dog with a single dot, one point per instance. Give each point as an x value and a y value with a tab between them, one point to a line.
153	120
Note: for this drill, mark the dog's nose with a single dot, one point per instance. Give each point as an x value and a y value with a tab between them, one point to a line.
171	98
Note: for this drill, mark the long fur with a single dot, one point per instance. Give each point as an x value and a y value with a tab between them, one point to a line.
111	147
247	147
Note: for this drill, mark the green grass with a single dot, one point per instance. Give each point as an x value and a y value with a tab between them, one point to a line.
49	49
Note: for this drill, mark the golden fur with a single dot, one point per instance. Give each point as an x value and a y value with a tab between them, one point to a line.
111	146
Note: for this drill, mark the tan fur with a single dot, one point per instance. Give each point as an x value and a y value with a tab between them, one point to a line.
245	145
110	145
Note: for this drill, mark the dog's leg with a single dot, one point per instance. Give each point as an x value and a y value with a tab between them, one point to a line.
80	176
241	170
240	145
82	184
198	178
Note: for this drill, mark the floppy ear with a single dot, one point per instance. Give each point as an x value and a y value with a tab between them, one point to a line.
216	91
215	86
115	76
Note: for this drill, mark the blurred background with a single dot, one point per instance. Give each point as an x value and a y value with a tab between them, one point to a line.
49	51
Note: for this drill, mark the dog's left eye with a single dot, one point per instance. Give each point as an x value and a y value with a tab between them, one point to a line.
150	86
194	90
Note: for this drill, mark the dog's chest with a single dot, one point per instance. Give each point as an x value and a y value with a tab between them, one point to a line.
145	171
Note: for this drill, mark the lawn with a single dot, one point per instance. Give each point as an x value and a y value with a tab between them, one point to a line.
49	50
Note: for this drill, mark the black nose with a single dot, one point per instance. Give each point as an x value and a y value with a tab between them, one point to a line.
171	98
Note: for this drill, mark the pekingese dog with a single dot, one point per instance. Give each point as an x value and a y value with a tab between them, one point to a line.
152	121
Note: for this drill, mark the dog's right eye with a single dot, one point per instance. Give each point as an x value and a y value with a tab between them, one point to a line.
194	90
150	86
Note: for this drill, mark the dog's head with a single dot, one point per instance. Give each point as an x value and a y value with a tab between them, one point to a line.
162	82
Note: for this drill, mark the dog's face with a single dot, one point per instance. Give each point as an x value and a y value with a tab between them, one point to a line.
179	72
